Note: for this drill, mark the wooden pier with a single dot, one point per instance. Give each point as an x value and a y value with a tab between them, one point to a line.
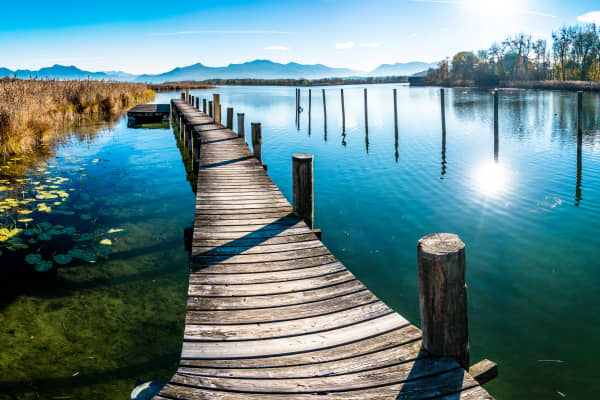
271	312
144	113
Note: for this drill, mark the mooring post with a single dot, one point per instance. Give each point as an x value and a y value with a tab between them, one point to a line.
217	108
183	96
396	113
309	109
296	105
198	103
240	125
443	296
343	111
303	188
496	136
230	118
366	113
257	141
204	106
210	109
580	112
443	107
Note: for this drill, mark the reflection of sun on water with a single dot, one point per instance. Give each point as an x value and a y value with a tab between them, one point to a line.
491	178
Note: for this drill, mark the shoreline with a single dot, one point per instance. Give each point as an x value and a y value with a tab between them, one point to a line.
573	86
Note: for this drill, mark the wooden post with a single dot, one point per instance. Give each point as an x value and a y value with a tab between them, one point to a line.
217	108
496	139
210	109
395	111
230	118
443	106
183	96
580	112
257	141
204	106
324	116
302	187
343	111
198	103
240	125
297	106
366	113
443	296
309	109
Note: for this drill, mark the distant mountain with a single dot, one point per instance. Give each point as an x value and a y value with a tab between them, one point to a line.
257	69
402	69
66	72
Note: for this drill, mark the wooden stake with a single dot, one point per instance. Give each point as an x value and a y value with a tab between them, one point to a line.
343	111
443	296
230	118
257	141
496	138
580	112
303	188
217	108
210	109
366	113
204	106
240	126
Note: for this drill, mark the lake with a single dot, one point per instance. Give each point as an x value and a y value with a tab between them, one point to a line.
113	315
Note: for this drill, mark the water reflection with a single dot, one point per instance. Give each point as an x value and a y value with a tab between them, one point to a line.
491	178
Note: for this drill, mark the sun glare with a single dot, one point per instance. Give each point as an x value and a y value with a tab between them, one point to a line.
491	178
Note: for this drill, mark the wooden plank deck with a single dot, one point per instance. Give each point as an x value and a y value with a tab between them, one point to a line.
149	110
272	314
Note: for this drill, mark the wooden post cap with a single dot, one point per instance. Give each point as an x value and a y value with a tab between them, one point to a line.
440	244
303	157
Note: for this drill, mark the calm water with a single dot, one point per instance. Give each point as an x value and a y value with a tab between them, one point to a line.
529	221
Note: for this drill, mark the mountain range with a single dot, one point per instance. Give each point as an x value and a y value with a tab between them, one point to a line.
257	69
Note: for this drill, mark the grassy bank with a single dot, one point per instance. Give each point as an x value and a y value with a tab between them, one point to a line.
32	112
210	83
590	86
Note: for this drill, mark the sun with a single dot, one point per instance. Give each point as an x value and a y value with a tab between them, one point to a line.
491	178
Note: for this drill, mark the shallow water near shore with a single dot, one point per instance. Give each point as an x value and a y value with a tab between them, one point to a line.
528	215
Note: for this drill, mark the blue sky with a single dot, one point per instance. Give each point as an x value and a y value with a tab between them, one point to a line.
151	37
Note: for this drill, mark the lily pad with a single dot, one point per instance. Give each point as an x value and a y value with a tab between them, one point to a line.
82	255
70	230
84	237
106	242
103	251
85	217
45	236
62	259
25	220
43	266
45	225
32	232
33	258
116	230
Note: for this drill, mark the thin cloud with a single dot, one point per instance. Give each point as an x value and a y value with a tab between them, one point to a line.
541	14
345	45
277	48
370	45
593	17
229	32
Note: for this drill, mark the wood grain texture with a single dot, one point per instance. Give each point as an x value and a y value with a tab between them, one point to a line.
272	314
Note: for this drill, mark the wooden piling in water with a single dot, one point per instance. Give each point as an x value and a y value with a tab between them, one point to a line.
395	112
580	112
443	296
210	109
204	106
240	126
496	137
197	103
366	113
303	187
309	109
343	111
443	107
230	118
257	141
183	96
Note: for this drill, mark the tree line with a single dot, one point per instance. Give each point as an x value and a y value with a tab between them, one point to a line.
574	54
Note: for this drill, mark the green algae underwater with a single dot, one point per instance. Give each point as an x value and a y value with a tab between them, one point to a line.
94	270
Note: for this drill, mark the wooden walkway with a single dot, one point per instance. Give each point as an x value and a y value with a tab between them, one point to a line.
272	314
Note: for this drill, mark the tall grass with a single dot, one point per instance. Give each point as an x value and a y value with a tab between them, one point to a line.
32	111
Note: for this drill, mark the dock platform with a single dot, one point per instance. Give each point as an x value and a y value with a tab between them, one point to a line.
271	312
147	113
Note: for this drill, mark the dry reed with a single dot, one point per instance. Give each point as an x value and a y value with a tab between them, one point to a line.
32	111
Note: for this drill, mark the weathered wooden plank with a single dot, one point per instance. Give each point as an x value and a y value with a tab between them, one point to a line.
272	314
278	346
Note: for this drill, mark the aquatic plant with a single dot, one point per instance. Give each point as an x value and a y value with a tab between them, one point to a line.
32	110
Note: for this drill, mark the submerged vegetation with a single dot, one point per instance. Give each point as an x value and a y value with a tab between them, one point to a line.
573	56
32	110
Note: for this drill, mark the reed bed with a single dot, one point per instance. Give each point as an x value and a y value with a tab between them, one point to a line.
33	111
